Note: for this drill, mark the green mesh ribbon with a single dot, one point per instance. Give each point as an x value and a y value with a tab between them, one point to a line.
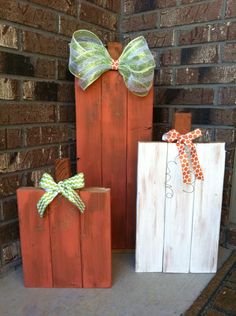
89	59
66	188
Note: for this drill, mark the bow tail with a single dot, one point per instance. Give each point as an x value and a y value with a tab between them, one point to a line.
184	164
74	198
45	200
196	164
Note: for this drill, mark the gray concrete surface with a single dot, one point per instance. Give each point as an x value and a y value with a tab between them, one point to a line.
132	294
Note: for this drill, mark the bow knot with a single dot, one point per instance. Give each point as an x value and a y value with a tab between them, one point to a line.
66	188
89	59
115	64
183	141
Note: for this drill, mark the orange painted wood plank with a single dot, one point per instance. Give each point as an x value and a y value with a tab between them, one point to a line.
88	132
35	239
65	243
114	133
139	128
96	238
182	122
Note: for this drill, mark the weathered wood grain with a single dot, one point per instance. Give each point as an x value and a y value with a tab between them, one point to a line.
178	216
207	208
35	239
150	207
96	238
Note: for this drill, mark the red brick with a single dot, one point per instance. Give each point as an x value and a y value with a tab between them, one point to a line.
187	15
219	74
185	96
8	89
97	16
28	159
230	153
9	183
63	72
3	142
229	53
44	68
66	93
38	90
231	236
66	113
26	14
8	36
228	96
187	76
104	35
110	5
204	34
69	7
136	6
161	115
139	22
33	136
33	177
38	43
67	25
231	9
159	130
9	232
54	134
47	135
14	138
227	178
164	77
199	55
213	312
170	57
225	117
225	135
155	38
231	31
26	113
9	209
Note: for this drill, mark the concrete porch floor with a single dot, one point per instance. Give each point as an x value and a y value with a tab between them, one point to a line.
132	294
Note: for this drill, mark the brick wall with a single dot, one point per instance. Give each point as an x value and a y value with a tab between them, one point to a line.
194	43
37	119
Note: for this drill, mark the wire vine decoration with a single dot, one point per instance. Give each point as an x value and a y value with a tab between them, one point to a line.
168	183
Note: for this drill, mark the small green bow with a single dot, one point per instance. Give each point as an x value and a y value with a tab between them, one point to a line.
89	59
66	188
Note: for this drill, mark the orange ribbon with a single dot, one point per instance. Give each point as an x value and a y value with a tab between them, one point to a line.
182	141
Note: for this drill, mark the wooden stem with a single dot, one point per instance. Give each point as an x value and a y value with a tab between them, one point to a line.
62	169
114	49
182	122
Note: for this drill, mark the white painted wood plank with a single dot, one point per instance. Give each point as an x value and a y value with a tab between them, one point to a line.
178	217
207	208
150	206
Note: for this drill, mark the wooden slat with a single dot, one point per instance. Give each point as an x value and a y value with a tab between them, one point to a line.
178	216
65	243
207	208
96	238
35	239
88	132
139	127
182	122
62	169
150	206
114	120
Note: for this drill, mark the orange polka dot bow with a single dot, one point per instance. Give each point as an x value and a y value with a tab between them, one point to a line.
185	160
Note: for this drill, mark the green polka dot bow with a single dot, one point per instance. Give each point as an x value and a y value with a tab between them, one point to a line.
66	188
89	59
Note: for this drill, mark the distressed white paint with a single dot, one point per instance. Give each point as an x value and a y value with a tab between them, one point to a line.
207	208
178	217
150	207
178	233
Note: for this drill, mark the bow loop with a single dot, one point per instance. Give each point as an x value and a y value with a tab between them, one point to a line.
89	59
65	187
182	141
